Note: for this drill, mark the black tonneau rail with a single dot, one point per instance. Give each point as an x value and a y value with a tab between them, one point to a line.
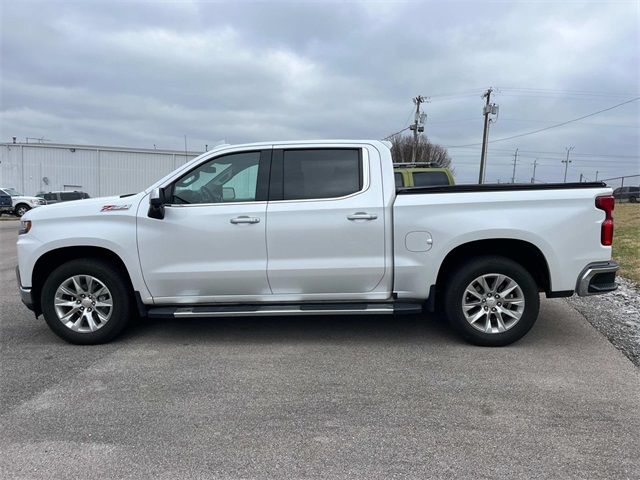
497	187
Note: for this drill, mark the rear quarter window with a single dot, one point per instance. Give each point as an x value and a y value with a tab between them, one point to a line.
399	179
66	196
430	179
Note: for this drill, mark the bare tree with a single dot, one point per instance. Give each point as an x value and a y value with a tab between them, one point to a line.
427	152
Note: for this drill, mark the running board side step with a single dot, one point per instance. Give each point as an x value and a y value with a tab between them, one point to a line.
208	311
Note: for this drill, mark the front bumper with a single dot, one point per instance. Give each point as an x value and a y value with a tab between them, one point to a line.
597	278
25	293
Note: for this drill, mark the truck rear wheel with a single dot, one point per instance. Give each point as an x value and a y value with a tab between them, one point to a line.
491	301
86	301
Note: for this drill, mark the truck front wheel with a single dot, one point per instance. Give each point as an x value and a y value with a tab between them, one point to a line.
491	301
21	209
86	301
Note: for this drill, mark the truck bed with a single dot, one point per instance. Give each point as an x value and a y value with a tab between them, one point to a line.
497	187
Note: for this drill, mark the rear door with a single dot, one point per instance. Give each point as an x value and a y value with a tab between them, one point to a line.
325	223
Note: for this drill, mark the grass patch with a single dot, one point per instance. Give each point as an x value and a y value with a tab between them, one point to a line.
626	239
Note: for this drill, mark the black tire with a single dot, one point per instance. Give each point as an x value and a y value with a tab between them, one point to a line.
21	209
111	277
633	199
465	274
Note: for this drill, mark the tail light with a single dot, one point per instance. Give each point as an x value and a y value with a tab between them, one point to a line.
606	203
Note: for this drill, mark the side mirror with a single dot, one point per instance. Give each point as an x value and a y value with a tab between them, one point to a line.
156	204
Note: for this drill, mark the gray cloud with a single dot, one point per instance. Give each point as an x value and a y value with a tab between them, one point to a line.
140	73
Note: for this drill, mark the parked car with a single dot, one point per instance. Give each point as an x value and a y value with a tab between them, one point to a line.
314	228
421	175
6	205
62	196
22	203
632	194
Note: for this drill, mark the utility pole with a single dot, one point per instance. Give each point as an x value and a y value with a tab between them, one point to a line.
597	175
567	162
489	108
418	125
581	177
535	164
515	161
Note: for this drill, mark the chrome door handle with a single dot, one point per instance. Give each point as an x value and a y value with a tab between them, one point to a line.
362	216
244	219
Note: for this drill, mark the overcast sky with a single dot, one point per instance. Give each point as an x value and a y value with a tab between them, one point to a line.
144	73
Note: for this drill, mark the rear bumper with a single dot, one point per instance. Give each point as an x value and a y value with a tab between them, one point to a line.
597	278
25	293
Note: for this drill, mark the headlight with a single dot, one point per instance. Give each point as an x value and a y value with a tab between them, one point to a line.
25	226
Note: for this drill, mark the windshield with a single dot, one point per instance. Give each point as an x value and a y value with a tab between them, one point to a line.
12	191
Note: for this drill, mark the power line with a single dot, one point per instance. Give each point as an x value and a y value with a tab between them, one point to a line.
396	133
550	126
590	154
567	92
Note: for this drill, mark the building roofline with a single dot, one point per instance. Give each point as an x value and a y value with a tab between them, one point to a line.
101	147
182	152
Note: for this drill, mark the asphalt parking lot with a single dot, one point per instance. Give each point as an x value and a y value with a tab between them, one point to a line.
323	397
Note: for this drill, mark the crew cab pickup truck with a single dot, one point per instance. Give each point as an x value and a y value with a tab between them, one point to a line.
314	228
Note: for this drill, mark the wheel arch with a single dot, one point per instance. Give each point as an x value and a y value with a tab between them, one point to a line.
525	253
56	257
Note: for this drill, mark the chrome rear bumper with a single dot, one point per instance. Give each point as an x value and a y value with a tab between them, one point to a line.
597	278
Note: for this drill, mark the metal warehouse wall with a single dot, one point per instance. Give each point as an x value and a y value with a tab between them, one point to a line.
99	171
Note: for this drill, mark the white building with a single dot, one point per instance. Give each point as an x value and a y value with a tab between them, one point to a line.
97	170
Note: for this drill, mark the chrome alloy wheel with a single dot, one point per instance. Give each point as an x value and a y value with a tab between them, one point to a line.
83	303
493	303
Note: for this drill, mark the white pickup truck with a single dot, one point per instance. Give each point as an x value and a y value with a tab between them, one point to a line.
314	228
21	204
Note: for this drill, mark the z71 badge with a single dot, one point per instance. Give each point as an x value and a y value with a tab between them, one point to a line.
113	208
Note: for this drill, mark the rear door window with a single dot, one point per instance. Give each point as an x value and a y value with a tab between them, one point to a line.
321	173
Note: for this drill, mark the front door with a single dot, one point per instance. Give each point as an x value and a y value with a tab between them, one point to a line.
210	246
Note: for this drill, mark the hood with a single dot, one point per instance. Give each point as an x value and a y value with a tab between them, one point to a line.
26	198
88	207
